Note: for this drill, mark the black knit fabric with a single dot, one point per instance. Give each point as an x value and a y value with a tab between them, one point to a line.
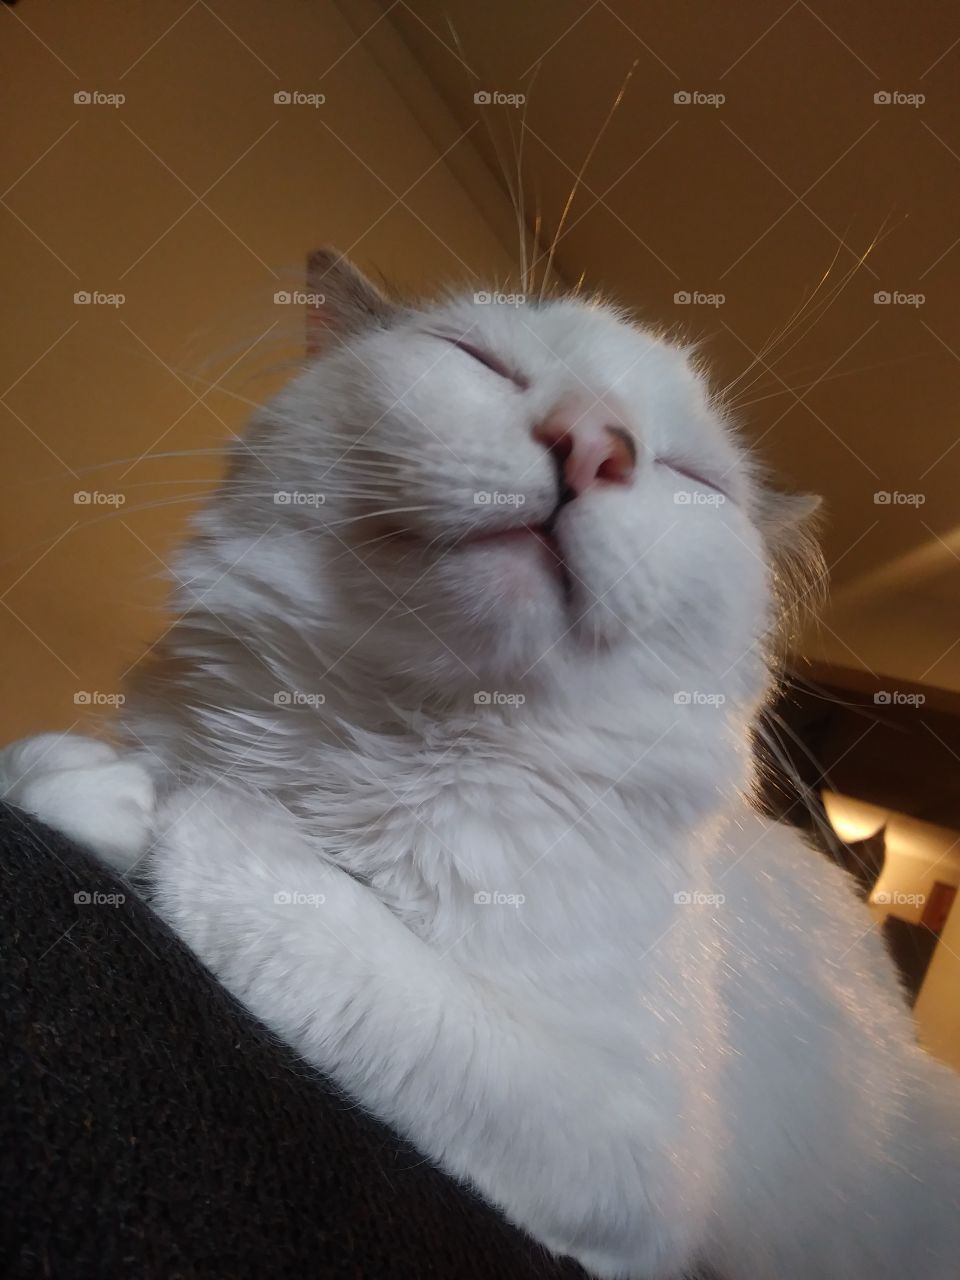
151	1128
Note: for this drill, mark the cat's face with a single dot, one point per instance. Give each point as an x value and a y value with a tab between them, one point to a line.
504	491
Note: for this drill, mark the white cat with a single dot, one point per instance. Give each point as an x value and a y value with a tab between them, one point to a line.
446	773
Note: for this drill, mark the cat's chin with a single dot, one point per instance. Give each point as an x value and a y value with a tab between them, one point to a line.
495	580
527	560
491	609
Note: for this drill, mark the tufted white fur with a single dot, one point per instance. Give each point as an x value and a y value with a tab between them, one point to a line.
482	847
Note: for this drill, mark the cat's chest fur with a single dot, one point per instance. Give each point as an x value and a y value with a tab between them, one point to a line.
590	889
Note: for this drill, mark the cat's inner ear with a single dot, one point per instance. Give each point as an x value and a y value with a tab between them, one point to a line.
341	302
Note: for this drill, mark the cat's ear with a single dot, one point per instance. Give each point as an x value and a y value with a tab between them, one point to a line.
788	524
786	520
341	301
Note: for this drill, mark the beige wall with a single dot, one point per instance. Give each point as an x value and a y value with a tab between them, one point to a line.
103	199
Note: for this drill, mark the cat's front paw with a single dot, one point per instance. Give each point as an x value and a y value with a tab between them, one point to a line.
85	789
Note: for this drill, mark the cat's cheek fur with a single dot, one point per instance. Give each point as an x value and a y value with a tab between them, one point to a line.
674	578
469	618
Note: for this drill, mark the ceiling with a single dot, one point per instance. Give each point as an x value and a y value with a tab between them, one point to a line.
798	198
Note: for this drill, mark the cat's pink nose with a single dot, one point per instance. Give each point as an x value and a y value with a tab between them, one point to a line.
590	442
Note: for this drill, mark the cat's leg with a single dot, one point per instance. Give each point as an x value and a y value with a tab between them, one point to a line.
84	788
572	1150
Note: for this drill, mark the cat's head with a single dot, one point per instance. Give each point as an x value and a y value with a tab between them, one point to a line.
493	490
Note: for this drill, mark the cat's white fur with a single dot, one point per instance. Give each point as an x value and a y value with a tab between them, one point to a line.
540	931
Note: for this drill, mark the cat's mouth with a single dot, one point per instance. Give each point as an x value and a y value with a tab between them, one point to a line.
524	534
539	536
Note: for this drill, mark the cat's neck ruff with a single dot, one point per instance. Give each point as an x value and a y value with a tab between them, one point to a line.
376	764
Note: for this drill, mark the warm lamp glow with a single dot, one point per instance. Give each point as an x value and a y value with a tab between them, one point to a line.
853	819
916	853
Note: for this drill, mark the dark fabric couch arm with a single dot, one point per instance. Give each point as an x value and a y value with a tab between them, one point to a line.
150	1128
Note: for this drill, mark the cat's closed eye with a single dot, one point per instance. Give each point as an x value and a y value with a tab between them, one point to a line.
690	473
489	361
